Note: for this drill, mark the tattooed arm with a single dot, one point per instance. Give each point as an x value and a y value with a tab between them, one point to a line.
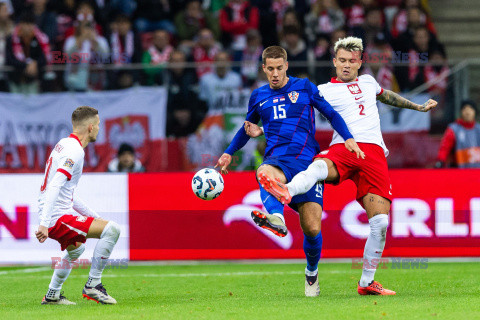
391	98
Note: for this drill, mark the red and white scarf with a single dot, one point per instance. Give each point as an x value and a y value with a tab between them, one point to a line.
119	51
431	74
41	38
159	57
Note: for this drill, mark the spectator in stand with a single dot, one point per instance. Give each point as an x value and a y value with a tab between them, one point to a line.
335	36
414	75
250	57
322	53
91	48
126	49
126	7
183	116
373	26
125	160
28	51
462	140
437	71
65	10
355	15
405	40
290	18
280	7
6	29
194	18
205	51
85	12
153	15
378	57
267	18
325	17
181	81
158	55
217	88
400	20
296	50
235	19
46	20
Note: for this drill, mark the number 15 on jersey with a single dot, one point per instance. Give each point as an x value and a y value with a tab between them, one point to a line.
279	112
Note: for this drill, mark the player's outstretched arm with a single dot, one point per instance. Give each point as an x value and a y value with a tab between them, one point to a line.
394	99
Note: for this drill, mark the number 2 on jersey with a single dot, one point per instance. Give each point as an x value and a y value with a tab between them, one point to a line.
49	165
362	108
281	113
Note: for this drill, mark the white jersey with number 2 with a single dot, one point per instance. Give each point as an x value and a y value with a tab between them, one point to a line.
356	102
67	158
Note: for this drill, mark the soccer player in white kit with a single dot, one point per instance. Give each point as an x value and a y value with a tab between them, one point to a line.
355	99
67	219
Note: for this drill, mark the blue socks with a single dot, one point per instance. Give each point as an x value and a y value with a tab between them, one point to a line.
312	247
270	202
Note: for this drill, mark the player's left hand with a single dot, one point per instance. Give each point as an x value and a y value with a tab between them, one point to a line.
427	106
252	129
42	234
352	146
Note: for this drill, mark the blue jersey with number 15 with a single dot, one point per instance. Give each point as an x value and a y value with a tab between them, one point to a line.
289	120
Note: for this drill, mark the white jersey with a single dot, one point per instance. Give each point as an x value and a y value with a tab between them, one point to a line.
67	157
356	102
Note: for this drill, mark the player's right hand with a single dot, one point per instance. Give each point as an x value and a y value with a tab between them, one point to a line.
352	146
252	129
224	162
42	234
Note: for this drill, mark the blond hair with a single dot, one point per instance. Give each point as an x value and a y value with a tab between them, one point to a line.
349	44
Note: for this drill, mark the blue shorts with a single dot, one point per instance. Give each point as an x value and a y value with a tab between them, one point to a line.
292	166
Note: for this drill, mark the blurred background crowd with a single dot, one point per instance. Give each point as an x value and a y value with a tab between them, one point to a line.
197	48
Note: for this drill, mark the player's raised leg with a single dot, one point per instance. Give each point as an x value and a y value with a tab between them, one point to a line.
377	208
273	220
319	170
310	221
108	233
62	270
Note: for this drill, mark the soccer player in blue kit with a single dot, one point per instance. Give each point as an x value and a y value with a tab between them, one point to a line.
285	107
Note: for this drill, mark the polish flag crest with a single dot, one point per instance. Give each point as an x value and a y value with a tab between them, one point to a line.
293	96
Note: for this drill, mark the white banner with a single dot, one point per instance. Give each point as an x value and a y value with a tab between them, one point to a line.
107	194
393	119
29	124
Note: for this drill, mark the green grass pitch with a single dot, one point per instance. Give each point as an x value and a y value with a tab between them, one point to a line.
248	291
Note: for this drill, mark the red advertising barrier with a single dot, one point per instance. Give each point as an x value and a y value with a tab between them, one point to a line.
435	213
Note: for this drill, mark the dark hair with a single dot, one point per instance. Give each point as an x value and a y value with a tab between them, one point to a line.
27	17
121	17
83	113
290	29
125	147
470	103
273	52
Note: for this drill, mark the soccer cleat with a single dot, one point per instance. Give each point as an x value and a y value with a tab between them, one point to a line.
312	288
98	294
62	300
275	188
270	222
374	288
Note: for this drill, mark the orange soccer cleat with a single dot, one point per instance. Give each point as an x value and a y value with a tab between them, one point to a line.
374	288
275	188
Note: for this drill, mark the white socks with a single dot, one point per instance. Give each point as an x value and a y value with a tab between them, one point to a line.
373	247
102	252
61	272
305	180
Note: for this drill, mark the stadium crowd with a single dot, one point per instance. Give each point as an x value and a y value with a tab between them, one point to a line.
93	45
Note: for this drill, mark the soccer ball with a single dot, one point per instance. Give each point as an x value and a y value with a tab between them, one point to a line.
207	184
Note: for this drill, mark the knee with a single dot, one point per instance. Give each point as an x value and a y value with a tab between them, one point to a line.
312	230
76	253
112	230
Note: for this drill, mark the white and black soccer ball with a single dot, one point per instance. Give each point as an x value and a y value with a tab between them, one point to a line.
207	184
